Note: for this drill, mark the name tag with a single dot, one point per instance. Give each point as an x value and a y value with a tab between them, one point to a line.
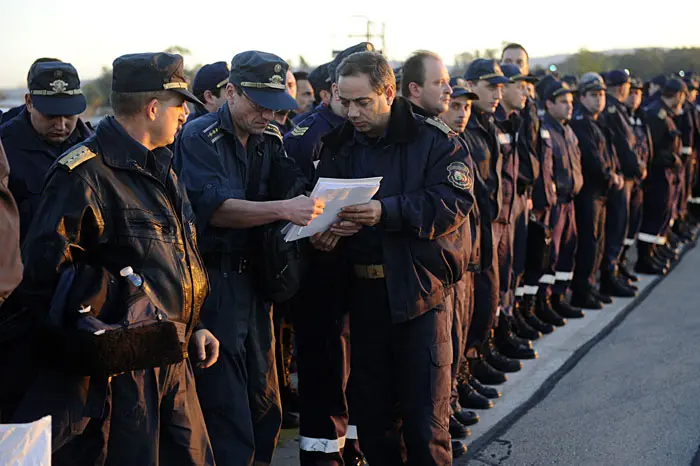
504	138
544	133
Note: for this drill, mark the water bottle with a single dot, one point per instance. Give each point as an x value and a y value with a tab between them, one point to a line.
134	278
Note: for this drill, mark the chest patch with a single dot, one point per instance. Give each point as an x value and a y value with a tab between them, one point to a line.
459	176
504	138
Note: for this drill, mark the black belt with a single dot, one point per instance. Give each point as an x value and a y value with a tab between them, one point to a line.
227	262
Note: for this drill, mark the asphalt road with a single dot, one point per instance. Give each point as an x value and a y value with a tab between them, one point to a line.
633	399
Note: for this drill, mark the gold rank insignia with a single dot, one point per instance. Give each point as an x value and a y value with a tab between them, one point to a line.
76	157
662	114
272	130
300	130
439	124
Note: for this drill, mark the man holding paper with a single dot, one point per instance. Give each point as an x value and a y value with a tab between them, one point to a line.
410	249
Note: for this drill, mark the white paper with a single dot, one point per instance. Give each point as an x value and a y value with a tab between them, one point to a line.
336	193
26	444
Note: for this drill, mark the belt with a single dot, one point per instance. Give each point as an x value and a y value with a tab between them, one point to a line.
227	262
369	272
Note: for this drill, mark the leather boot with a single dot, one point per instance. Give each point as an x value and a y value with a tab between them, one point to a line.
602	297
459	449
585	299
507	345
545	312
457	429
520	327
496	359
528	313
489	392
464	416
612	286
471	399
485	373
565	309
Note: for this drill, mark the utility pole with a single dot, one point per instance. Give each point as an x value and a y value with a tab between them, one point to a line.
368	35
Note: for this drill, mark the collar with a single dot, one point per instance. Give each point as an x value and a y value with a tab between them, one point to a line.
226	123
479	120
26	137
120	150
324	111
418	110
556	124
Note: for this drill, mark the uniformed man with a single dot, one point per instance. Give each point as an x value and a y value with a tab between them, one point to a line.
400	323
109	203
599	176
305	92
13	112
283	118
322	90
644	147
692	80
217	157
616	118
322	324
209	86
426	84
508	124
654	86
528	172
467	391
485	78
48	126
665	166
568	180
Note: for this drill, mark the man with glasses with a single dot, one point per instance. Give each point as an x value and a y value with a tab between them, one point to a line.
220	156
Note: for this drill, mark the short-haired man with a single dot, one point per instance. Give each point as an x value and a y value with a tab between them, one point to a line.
402	259
111	203
208	86
47	127
305	92
217	157
426	84
599	176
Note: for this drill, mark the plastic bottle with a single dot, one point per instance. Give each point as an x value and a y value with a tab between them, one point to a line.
129	274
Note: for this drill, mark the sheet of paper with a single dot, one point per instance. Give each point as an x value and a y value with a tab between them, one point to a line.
336	193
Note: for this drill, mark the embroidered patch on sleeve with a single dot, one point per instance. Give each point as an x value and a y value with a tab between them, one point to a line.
459	176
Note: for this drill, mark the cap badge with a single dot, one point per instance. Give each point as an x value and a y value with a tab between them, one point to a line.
278	68
59	86
277	79
58	74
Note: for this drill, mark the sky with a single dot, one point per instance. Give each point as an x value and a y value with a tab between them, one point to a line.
92	34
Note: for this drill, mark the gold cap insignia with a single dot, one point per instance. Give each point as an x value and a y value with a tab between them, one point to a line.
278	68
59	86
277	79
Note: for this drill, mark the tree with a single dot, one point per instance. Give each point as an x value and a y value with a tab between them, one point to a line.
178	49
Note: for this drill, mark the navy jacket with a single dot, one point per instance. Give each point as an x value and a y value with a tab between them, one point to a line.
665	134
30	158
568	176
507	132
597	160
644	146
616	117
215	166
303	143
426	196
528	135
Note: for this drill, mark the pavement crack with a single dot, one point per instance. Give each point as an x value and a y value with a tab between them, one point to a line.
496	452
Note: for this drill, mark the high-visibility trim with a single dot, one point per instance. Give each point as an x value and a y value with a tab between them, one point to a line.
323	445
694	200
547	279
176	85
519	292
647	238
351	433
531	290
564	276
629	242
686	150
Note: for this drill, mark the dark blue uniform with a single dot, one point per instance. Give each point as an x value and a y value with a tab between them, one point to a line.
11	113
644	148
321	325
598	165
400	323
568	179
482	140
30	158
686	125
239	395
663	174
616	119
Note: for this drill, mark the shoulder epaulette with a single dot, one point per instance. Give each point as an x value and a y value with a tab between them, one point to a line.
213	132
439	124
76	157
662	114
273	130
300	130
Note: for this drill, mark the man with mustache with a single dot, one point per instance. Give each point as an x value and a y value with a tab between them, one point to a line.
47	127
217	157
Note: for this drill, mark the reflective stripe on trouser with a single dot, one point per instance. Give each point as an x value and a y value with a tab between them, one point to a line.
562	249
658	206
590	226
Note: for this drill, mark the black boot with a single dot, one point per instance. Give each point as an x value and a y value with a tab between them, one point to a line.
471	399
522	328
496	359
507	322
622	269
602	297
457	429
485	373
459	449
508	344
585	299
464	416
648	266
528	313
544	311
489	392
666	252
612	286
565	309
